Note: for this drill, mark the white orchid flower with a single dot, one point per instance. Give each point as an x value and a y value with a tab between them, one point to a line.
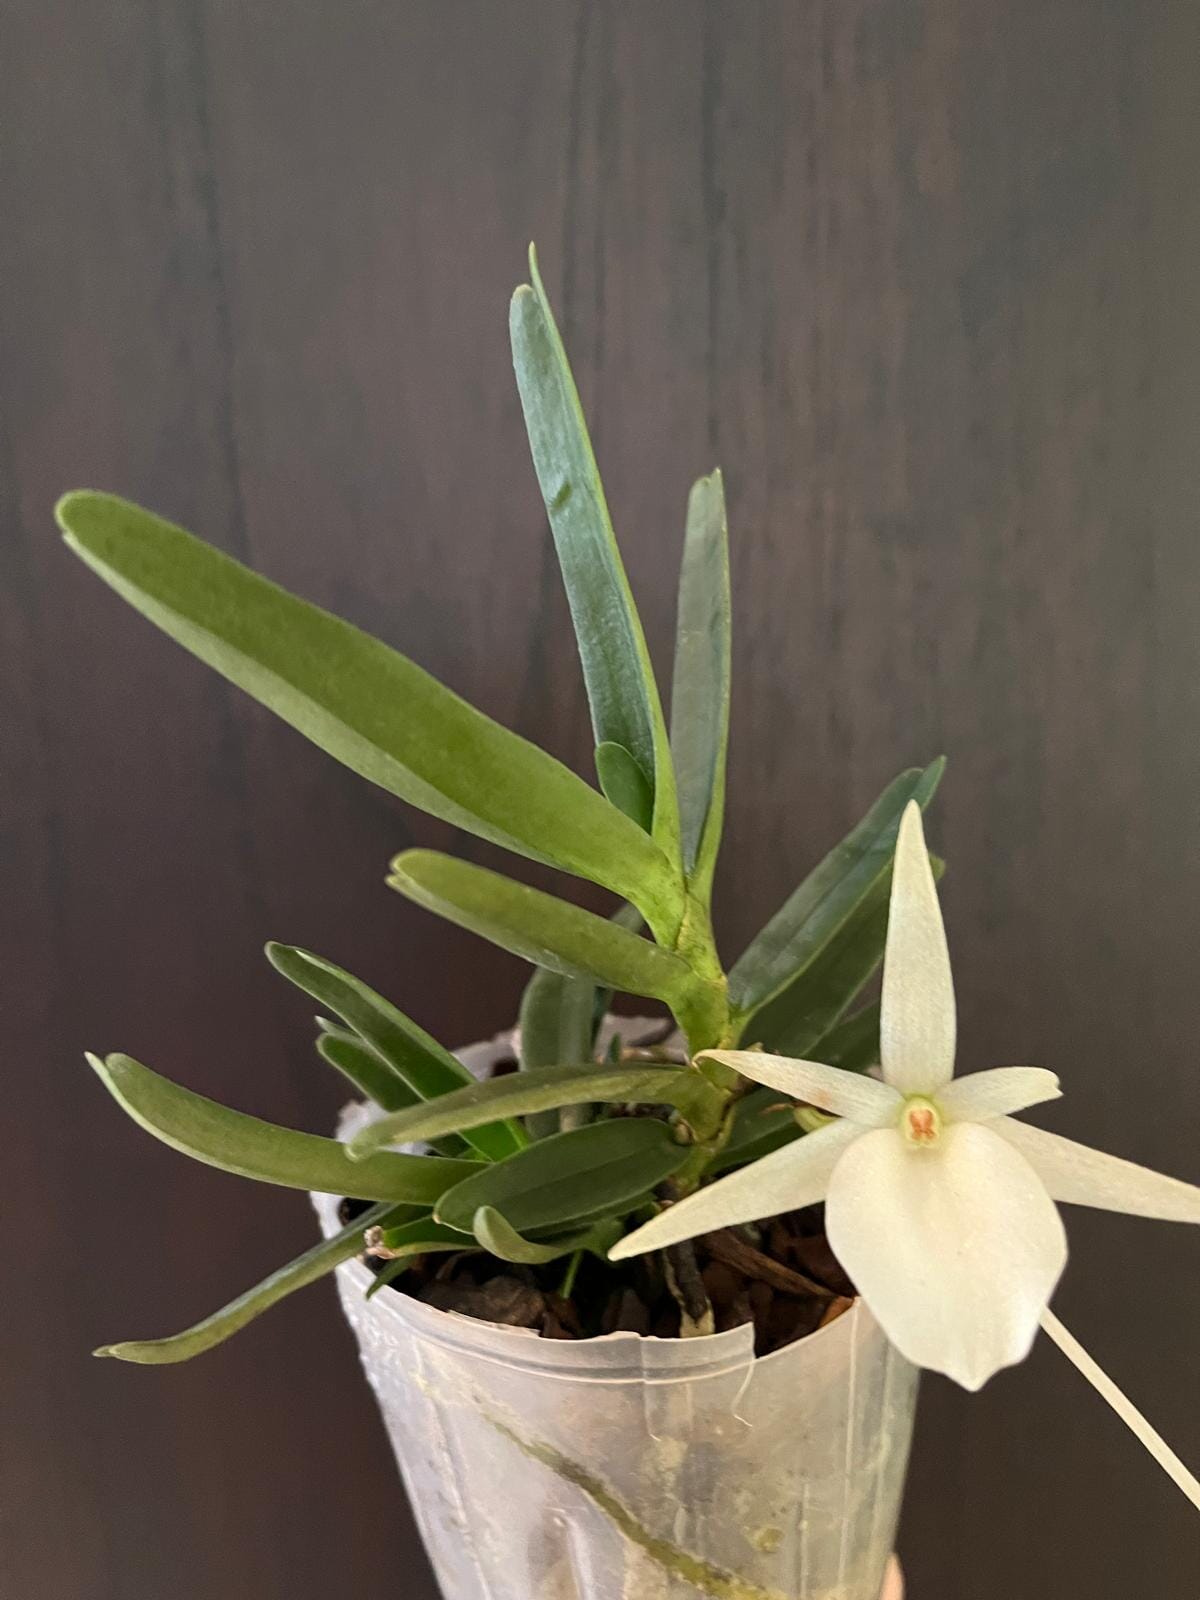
939	1205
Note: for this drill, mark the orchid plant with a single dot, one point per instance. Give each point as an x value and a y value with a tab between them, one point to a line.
939	1205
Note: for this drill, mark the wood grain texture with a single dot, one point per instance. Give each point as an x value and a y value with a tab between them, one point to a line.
921	277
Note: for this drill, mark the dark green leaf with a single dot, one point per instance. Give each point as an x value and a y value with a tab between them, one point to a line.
571	1178
365	704
221	1325
359	1064
828	896
545	930
239	1143
853	1044
700	687
413	1055
793	1023
499	1238
616	664
762	1121
545	1089
357	1061
421	1237
625	784
556	1026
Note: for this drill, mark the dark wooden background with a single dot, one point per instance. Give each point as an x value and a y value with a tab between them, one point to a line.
922	278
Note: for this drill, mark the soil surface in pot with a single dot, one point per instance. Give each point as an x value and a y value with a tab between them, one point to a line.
780	1275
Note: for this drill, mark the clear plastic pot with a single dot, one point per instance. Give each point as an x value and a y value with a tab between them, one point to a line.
629	1468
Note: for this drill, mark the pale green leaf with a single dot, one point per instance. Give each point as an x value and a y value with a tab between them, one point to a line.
365	704
238	1143
315	1263
544	1089
499	1238
700	686
541	928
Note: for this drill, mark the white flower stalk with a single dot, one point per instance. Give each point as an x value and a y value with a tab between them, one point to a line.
939	1205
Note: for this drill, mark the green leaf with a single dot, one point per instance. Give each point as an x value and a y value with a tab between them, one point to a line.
571	1178
357	1062
853	1044
616	664
625	783
545	930
499	1238
235	1142
556	1025
544	1089
223	1324
413	1055
365	704
828	896
800	1016
422	1237
762	1122
700	686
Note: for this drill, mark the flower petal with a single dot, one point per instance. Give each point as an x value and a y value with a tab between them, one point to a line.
956	1249
917	1019
844	1094
797	1175
980	1096
1080	1176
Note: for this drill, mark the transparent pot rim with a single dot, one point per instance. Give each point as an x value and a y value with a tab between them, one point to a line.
607	1358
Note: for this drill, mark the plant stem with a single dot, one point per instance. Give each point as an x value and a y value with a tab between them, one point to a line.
567	1287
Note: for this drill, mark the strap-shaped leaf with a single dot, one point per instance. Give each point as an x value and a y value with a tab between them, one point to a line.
762	1122
518	1094
421	1237
700	685
572	1178
415	1056
235	1142
223	1324
625	783
853	1044
830	894
799	1017
616	664
557	1023
364	703
541	928
499	1238
357	1062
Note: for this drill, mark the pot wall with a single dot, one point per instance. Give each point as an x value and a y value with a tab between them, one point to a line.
627	1468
